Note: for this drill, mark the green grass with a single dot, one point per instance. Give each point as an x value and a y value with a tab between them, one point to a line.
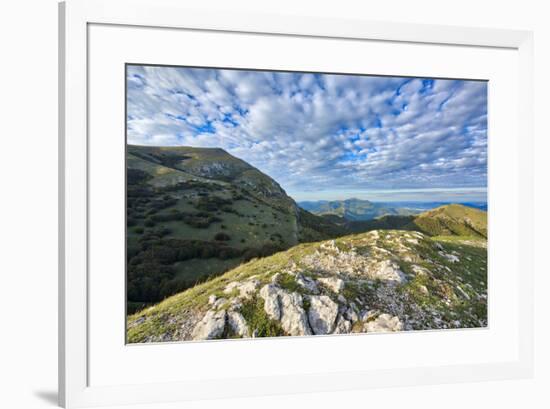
288	282
258	320
199	270
453	219
469	273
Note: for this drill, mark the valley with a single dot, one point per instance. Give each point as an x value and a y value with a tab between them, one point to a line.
217	249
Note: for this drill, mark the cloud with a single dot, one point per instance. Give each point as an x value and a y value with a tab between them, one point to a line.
319	132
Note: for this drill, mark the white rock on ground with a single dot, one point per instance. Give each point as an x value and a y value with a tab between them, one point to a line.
333	283
418	270
245	289
384	323
329	246
211	326
286	308
388	270
219	302
322	314
423	289
343	326
463	293
307	283
293	316
238	324
450	257
270	294
351	315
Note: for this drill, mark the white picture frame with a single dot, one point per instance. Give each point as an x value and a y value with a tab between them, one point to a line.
75	18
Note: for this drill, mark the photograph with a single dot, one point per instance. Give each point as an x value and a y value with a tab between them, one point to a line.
263	203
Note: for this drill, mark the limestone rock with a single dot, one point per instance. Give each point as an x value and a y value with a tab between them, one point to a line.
333	283
418	270
343	326
270	294
287	308
307	283
245	289
219	302
463	293
211	326
389	270
351	315
293	316
450	257
384	323
238	324
322	314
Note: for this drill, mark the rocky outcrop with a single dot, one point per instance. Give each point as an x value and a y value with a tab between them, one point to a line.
322	314
335	284
388	270
307	283
211	326
287	308
238	324
343	326
375	282
384	323
245	289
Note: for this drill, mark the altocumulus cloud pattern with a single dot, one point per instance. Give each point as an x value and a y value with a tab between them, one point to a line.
319	132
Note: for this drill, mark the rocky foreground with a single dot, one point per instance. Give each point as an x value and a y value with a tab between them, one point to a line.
380	281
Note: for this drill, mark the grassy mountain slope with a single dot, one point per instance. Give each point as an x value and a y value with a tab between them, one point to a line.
384	280
451	219
197	212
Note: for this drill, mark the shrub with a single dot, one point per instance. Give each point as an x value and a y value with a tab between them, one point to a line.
136	176
222	237
258	320
212	203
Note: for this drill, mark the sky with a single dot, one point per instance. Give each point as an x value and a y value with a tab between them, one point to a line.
323	136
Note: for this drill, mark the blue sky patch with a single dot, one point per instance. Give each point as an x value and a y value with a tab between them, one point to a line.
322	136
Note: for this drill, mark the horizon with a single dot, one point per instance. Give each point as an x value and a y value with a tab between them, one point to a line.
324	136
442	202
469	195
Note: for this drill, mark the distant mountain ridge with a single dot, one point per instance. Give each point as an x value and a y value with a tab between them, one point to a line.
354	209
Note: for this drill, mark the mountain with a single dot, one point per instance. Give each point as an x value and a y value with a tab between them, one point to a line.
454	219
418	207
370	282
361	210
193	213
354	209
